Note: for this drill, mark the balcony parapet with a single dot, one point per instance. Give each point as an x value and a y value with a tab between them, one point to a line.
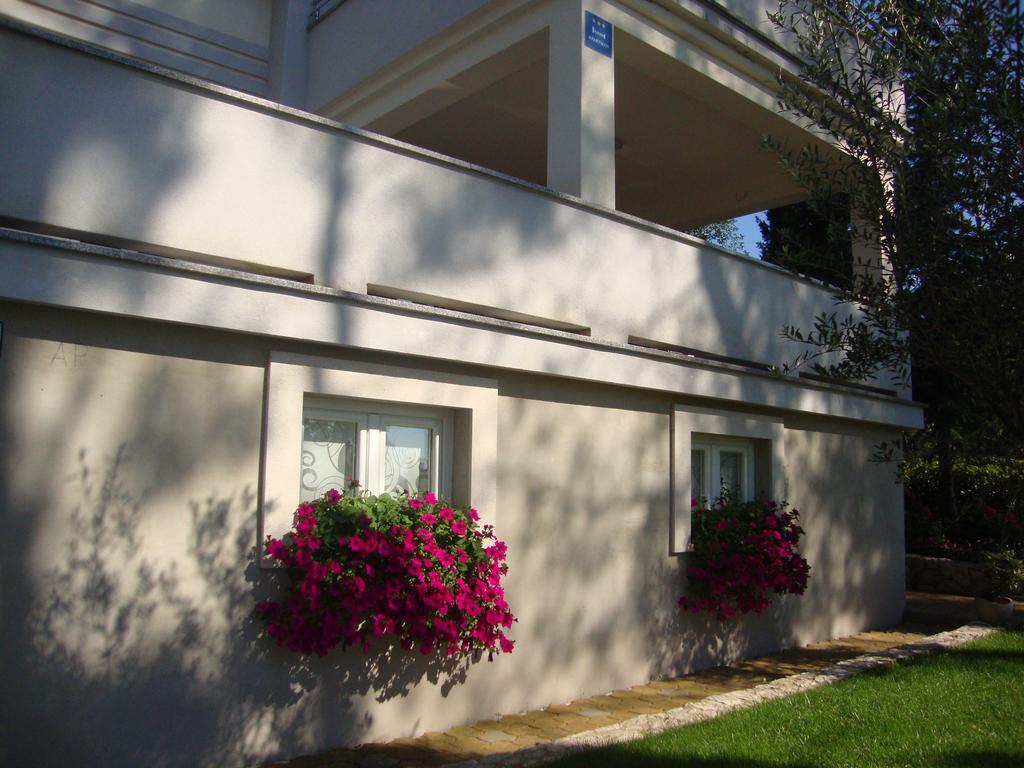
163	163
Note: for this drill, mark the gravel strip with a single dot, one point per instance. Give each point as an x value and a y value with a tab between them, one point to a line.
713	706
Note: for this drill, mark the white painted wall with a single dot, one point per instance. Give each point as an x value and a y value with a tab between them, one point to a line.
106	151
128	480
224	41
130	459
360	37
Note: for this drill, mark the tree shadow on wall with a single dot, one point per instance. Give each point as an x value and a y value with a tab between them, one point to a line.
142	647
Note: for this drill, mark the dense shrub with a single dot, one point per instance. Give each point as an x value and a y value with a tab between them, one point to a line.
743	552
988	508
359	568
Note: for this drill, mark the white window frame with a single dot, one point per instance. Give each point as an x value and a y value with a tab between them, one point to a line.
713	446
471	435
765	469
372	420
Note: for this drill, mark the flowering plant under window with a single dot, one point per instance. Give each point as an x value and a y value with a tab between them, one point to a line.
743	552
362	567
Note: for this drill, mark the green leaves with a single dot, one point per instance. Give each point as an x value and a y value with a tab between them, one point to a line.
924	101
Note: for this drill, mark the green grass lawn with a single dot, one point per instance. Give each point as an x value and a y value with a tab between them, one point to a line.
963	707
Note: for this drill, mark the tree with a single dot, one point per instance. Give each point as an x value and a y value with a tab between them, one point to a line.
802	239
724	233
925	99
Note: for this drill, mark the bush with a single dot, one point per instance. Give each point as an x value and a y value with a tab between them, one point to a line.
359	568
1005	571
741	553
987	515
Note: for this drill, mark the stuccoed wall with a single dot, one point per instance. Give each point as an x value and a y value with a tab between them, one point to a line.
128	481
225	41
105	151
359	37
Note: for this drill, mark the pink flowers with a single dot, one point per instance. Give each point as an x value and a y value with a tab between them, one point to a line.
742	553
360	568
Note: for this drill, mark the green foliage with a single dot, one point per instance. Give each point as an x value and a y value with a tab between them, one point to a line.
722	233
742	553
1005	571
812	242
987	515
926	97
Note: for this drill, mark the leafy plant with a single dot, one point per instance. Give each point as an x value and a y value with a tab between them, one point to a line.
1005	572
743	552
926	100
986	515
359	568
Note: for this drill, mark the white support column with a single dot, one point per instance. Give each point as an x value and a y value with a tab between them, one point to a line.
581	110
288	52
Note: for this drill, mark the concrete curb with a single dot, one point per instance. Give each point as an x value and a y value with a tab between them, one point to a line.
713	706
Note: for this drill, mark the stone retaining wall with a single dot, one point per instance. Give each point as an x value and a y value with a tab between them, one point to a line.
950	577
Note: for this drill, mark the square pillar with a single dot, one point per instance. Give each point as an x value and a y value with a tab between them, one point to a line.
581	109
288	43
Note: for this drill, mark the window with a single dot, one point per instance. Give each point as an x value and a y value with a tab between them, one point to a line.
391	427
721	467
393	449
715	450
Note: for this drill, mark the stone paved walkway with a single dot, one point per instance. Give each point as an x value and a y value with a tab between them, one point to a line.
538	736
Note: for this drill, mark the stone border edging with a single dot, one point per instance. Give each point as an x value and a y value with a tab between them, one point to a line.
719	704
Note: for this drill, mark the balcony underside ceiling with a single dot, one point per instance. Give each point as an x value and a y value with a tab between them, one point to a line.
690	150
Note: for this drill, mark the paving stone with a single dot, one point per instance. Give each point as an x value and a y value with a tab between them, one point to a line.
553	728
488	749
558	709
518	726
633	704
493	736
676	694
593	712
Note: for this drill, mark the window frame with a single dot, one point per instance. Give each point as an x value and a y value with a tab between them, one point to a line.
766	463
404	392
372	418
713	446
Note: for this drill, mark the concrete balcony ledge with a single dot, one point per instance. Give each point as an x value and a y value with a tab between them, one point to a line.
109	150
65	273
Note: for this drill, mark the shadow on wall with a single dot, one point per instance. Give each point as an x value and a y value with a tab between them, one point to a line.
130	663
584	484
585	471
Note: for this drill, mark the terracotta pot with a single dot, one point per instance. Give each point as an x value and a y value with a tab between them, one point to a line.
995	611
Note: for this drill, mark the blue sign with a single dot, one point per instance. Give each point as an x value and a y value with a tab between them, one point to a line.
597	34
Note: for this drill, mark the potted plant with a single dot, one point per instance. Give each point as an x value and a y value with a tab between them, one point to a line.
743	552
359	568
1005	570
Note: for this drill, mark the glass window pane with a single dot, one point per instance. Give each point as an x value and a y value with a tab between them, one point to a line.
731	465
697	474
407	459
328	456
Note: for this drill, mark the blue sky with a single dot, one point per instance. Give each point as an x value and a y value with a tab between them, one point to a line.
751	234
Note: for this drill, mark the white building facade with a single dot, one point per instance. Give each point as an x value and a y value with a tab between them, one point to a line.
454	227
